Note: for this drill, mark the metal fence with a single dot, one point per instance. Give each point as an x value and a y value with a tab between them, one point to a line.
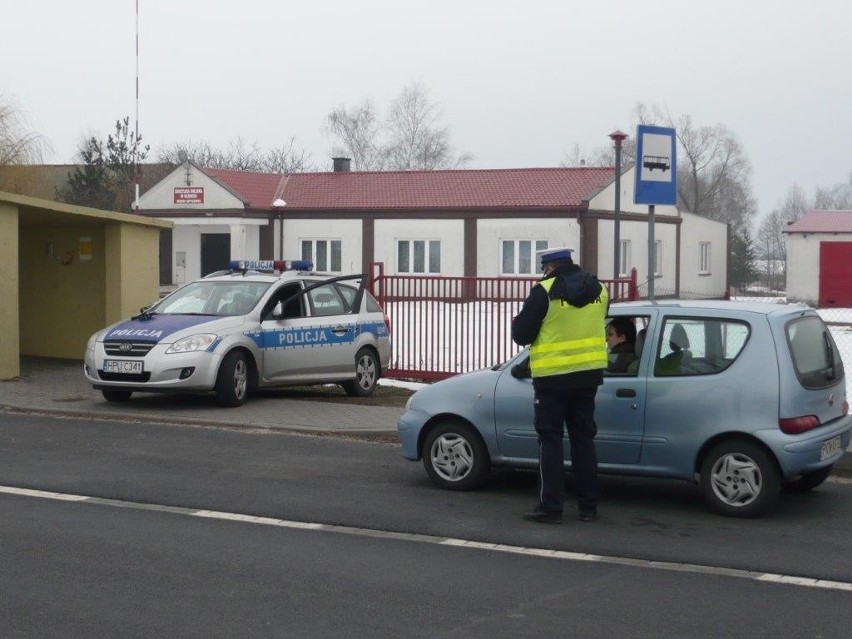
839	321
443	326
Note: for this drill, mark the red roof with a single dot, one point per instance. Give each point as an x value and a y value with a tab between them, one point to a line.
445	189
822	222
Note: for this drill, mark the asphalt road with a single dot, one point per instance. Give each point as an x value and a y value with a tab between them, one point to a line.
135	569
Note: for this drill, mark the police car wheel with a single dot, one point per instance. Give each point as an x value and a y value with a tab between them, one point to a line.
116	395
366	374
455	457
232	380
740	479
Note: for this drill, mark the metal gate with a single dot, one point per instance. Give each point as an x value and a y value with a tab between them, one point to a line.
443	326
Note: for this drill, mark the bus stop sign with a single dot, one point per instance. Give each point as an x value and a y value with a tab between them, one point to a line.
656	165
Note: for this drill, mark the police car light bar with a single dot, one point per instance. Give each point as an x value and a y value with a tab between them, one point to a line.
271	265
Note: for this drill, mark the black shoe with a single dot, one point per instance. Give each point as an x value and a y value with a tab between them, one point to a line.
588	515
544	517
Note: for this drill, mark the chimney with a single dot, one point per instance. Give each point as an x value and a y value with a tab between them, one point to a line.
341	165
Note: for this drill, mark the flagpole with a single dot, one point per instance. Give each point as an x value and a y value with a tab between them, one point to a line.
136	140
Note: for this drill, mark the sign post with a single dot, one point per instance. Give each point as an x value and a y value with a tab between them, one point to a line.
656	180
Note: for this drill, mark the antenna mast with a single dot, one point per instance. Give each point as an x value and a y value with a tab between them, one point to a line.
136	140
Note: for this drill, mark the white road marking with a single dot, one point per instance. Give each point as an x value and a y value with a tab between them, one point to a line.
790	580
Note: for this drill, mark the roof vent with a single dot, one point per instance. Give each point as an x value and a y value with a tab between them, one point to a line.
341	165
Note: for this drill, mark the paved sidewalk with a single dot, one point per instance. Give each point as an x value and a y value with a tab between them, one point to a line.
54	386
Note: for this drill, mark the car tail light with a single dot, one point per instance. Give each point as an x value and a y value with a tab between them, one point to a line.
387	321
796	425
845	407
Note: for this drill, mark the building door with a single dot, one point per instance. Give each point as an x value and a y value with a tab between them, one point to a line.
835	274
215	252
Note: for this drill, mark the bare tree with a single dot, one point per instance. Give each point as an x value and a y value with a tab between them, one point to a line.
18	144
598	156
239	156
287	159
837	197
417	139
201	153
771	242
358	132
410	137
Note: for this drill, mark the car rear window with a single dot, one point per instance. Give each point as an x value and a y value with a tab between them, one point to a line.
815	356
372	305
699	346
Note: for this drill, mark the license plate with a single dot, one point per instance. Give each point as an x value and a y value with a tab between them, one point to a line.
126	366
830	448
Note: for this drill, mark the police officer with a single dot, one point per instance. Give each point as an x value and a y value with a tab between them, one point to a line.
564	321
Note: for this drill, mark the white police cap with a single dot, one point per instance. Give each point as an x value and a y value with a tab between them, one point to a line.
550	254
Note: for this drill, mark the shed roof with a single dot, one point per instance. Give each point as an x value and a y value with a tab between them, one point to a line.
443	189
39	212
822	222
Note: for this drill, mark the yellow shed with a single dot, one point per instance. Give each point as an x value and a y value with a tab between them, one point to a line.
67	271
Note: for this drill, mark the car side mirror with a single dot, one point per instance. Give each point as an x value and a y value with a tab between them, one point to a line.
522	370
278	310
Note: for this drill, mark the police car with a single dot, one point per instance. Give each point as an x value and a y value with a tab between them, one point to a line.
260	324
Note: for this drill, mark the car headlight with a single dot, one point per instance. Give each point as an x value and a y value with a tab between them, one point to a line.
193	343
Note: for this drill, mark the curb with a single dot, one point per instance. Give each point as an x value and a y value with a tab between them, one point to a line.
374	435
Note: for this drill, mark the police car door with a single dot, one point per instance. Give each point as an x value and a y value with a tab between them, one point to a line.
307	335
333	332
283	319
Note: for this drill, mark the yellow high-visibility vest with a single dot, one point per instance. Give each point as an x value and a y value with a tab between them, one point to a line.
571	339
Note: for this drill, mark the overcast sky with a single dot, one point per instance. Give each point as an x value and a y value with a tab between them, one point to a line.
520	83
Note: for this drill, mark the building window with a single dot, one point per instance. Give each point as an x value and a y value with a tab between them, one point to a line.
325	254
704	257
517	257
658	258
624	258
418	256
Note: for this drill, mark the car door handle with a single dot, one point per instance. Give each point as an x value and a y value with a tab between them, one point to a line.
625	392
340	328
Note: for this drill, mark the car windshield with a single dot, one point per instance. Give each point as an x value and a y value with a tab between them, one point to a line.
212	298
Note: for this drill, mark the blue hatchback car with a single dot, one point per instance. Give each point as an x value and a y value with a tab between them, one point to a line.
742	398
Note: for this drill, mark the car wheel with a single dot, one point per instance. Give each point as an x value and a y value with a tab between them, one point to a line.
740	479
232	380
455	457
366	374
116	395
808	481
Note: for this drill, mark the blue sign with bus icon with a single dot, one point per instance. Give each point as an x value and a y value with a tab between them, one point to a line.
656	166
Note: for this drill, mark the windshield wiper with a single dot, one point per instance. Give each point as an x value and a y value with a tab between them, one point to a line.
829	354
145	313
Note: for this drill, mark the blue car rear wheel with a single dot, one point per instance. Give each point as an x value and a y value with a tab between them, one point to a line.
740	479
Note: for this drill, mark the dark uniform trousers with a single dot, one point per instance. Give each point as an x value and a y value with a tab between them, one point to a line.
554	408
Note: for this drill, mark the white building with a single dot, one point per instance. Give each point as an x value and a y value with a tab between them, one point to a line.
819	270
448	223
